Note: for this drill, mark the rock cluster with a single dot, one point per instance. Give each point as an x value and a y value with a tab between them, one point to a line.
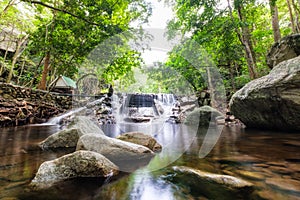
20	105
95	153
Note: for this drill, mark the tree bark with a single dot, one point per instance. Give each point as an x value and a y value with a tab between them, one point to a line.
232	78
17	54
275	20
43	82
296	9
291	16
245	38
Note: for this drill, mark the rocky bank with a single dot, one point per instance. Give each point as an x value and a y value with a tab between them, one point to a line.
21	105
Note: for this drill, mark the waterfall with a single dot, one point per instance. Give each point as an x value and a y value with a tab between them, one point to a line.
57	120
145	107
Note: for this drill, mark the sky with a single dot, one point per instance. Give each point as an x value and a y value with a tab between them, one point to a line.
161	14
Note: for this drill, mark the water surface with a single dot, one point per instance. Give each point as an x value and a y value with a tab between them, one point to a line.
269	160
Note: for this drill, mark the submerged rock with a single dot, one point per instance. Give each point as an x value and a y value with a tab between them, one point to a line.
141	139
203	116
273	101
212	186
124	154
78	164
69	137
289	185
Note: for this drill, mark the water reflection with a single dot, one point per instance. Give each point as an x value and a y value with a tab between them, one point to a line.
20	157
269	160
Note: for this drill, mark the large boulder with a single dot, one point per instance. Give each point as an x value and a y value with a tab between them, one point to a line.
287	48
273	101
78	164
141	139
203	116
61	139
128	156
85	125
69	137
212	186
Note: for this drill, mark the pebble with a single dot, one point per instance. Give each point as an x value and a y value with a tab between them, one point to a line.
251	175
281	170
292	143
294	166
239	159
290	185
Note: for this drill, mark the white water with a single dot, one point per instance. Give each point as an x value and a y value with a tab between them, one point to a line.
160	111
56	120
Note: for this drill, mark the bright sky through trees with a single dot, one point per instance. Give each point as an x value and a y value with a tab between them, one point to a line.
161	14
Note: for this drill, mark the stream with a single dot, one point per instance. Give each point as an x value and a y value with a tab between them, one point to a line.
269	160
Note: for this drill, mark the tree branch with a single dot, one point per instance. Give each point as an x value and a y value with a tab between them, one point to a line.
62	10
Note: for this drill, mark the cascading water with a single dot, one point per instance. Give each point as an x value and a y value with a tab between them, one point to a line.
144	113
57	120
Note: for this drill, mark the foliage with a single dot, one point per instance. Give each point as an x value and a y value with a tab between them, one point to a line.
218	29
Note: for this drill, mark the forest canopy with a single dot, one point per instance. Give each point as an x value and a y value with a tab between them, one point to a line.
43	39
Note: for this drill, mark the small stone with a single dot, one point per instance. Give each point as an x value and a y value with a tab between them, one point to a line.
294	166
251	175
292	143
260	165
280	170
279	164
239	159
270	194
284	184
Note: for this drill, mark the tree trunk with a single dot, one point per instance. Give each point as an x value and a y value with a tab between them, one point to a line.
18	52
21	73
232	77
275	21
212	90
246	41
291	16
296	9
43	82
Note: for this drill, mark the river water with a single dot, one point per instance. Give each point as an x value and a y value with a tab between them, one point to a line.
269	160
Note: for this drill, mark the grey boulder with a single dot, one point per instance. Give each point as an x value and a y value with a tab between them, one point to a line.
127	156
272	101
203	116
287	48
69	137
77	164
141	139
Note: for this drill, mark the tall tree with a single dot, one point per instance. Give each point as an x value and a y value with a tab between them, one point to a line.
76	28
245	37
275	20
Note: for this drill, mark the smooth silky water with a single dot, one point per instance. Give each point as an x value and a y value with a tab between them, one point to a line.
269	160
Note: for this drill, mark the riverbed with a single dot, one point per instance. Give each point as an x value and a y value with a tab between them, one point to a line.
269	160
